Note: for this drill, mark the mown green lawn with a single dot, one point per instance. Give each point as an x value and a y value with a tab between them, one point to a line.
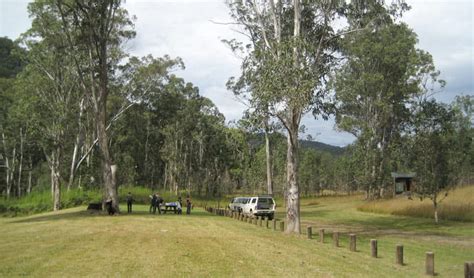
76	243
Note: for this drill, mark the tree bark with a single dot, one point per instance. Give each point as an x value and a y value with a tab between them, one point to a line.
435	206
7	165
293	202
20	165
77	145
54	161
110	187
292	125
269	158
30	175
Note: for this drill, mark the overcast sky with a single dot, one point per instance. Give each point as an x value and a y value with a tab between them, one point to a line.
183	28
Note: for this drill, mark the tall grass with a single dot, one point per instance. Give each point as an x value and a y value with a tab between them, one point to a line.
458	206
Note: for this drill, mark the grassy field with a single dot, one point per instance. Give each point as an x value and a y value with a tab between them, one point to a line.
76	243
459	205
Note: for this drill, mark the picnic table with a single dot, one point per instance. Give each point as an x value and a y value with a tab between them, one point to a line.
173	206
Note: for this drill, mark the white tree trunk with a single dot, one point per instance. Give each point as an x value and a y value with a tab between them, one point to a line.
30	175
269	158
54	163
7	165
20	165
293	202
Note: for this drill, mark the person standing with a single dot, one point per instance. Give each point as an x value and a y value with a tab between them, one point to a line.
188	205
129	202
159	201
153	202
178	207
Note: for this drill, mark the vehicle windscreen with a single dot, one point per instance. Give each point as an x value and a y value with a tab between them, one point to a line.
241	200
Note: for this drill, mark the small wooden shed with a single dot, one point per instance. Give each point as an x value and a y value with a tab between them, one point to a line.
403	183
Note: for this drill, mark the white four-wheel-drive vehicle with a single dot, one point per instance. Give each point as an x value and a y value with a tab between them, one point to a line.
237	203
260	206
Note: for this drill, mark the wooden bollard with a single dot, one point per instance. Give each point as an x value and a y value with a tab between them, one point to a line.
429	263
309	232
399	254
373	248
260	221
335	239
282	226
256	220
469	270
321	235
352	244
266	222
274	224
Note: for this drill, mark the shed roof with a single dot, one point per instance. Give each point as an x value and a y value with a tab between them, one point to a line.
403	175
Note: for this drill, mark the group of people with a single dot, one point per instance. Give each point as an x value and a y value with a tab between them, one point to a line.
156	202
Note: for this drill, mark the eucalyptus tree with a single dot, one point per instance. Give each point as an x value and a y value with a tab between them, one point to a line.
49	88
434	151
258	120
292	49
95	32
382	74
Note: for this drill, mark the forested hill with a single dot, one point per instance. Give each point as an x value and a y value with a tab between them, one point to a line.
277	138
334	150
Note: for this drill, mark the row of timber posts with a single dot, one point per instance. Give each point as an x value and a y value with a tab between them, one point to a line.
429	261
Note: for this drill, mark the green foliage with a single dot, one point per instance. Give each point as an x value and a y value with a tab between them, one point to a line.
439	148
10	61
41	201
375	89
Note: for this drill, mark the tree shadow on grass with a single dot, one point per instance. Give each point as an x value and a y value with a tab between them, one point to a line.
82	214
70	215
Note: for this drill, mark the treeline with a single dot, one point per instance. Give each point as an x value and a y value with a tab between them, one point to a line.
163	134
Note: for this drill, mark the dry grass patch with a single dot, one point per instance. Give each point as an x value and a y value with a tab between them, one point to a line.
458	206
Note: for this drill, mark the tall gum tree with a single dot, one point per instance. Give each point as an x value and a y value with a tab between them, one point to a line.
95	32
47	89
294	45
383	72
292	48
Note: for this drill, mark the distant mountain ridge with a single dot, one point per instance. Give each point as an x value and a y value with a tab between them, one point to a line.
335	150
258	139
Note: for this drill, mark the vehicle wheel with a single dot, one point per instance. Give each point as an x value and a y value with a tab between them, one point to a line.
270	217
